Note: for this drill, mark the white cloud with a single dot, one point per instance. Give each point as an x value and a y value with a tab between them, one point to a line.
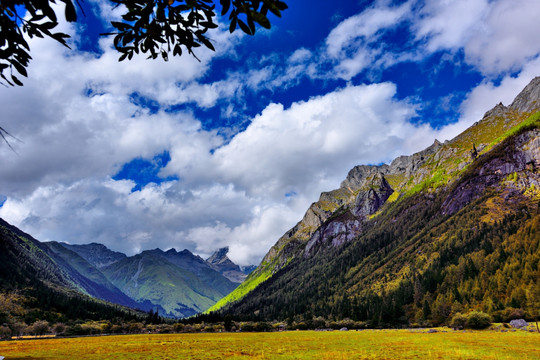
496	36
248	241
449	23
232	188
354	45
235	196
285	149
510	37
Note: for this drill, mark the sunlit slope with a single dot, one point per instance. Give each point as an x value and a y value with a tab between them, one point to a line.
369	191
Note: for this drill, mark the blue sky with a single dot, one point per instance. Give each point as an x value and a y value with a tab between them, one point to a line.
233	149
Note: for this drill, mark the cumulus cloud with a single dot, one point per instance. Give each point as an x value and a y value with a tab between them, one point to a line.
234	195
496	36
79	122
449	24
286	149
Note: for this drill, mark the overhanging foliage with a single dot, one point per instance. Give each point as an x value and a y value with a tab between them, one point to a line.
154	27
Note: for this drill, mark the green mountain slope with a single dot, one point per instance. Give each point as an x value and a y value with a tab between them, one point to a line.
86	276
178	284
41	287
155	277
417	240
22	261
202	269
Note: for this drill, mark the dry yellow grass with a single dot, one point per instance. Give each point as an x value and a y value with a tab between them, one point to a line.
369	344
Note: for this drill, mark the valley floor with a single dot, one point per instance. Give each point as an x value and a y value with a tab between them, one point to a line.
367	344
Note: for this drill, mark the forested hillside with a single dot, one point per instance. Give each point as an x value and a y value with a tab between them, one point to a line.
34	289
451	229
171	283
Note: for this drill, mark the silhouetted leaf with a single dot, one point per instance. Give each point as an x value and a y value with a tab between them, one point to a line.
226	5
177	50
48	25
20	68
232	26
16	81
244	27
146	26
48	11
208	24
207	43
260	19
71	13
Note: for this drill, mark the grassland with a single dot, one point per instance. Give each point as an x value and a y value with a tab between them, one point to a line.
368	344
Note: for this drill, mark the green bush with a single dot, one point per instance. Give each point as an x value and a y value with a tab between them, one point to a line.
478	320
459	321
263	326
178	327
299	326
473	320
77	330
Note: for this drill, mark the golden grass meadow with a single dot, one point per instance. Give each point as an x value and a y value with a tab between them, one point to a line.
368	344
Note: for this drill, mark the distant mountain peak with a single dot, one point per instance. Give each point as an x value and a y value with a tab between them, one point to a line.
220	256
221	262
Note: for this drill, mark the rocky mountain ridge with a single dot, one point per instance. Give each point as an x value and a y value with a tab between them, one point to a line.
464	169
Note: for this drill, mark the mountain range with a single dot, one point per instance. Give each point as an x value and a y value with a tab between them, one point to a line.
175	284
455	227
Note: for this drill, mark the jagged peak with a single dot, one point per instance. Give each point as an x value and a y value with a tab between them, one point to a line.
223	250
219	256
498	110
358	175
406	164
433	148
151	251
529	98
185	252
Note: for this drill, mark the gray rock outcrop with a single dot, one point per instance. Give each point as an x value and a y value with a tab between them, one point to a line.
529	99
518	323
368	201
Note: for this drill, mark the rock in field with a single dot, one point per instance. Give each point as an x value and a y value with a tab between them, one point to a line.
518	323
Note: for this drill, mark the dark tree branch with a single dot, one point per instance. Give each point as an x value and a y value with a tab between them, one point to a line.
3	134
153	27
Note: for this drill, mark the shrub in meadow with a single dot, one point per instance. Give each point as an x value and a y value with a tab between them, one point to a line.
459	321
478	320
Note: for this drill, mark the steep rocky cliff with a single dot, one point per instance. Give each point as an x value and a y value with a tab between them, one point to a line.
453	175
